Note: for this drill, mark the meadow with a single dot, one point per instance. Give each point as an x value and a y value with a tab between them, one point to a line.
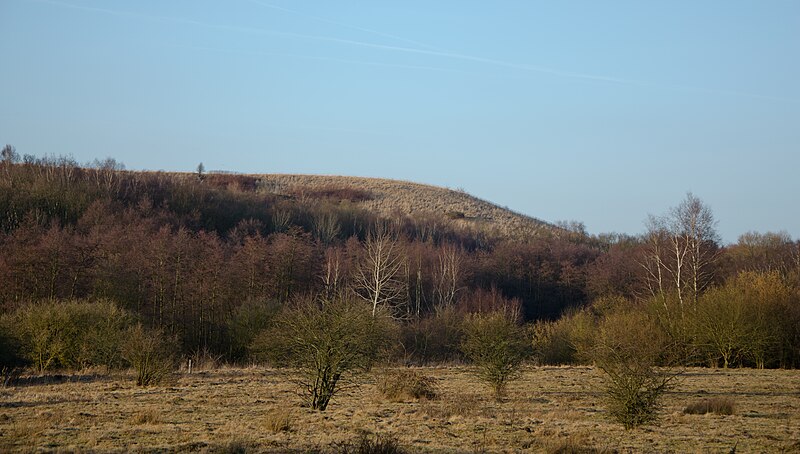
548	409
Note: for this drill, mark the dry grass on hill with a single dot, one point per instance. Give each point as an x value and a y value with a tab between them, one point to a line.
390	196
242	410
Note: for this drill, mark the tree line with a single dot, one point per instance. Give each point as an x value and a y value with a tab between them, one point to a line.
209	259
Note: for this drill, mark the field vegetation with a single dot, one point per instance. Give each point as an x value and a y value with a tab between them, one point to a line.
547	409
325	282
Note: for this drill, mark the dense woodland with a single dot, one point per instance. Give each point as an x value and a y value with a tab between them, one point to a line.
210	258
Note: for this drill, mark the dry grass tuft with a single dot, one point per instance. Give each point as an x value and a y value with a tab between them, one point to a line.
368	444
279	420
406	384
149	416
716	405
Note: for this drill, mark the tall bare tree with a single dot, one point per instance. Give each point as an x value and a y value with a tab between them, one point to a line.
696	228
333	274
683	248
448	275
653	258
377	277
326	226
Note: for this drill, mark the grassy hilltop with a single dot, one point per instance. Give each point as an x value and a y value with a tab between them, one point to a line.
387	197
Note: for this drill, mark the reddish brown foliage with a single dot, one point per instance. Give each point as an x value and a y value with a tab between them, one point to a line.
333	193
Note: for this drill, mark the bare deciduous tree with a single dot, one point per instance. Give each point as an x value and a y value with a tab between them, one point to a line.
326	226
695	226
448	275
682	250
377	278
332	275
9	154
106	172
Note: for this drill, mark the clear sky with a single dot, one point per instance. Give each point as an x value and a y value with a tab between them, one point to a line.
600	112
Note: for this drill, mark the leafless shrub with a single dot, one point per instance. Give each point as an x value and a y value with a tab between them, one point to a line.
328	341
150	353
372	444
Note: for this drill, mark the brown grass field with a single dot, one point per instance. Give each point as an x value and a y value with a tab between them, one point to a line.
549	409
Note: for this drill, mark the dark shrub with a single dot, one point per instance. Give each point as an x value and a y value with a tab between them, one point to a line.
246	323
434	339
11	359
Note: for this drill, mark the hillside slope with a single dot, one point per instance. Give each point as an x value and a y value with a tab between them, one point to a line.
390	196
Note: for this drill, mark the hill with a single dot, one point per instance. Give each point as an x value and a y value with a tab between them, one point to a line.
386	197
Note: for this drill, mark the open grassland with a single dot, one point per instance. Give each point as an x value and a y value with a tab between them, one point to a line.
256	409
391	196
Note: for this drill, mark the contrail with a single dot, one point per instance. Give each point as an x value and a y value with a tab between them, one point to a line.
340	24
321	58
451	55
410	50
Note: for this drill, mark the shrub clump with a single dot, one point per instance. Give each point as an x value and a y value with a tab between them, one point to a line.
150	353
716	405
247	321
434	339
11	359
407	384
328	341
74	334
496	345
563	341
628	346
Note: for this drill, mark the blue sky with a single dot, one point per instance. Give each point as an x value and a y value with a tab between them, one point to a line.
600	112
